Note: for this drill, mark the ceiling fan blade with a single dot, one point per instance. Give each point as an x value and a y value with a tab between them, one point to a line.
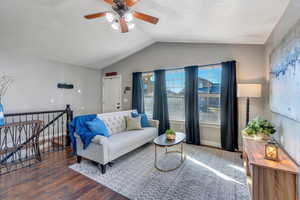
123	25
145	17
109	1
131	2
95	15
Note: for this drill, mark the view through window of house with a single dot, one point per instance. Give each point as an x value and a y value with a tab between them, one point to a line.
148	79
209	94
175	80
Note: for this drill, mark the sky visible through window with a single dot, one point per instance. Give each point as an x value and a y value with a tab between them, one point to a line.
209	80
212	74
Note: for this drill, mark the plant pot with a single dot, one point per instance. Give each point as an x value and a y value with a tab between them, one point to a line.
258	136
171	136
1	115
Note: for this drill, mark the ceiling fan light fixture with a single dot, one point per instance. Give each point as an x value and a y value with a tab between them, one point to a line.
115	25
128	17
131	26
110	16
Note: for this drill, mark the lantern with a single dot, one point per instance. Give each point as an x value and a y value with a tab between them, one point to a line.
271	151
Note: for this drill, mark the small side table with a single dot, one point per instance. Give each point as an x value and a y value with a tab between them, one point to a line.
163	142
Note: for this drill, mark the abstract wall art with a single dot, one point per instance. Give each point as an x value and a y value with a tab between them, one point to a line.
285	75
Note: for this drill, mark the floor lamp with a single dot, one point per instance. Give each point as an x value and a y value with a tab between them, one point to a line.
248	91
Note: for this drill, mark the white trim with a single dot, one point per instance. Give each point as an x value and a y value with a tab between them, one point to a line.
210	143
121	95
203	124
210	125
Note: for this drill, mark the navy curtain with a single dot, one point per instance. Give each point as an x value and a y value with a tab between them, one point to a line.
191	105
138	92
160	107
229	107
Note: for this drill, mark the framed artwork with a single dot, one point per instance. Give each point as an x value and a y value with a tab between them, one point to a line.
285	75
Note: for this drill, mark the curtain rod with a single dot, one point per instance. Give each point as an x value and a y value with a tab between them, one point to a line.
177	68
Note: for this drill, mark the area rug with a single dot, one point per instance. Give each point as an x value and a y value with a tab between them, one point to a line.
207	174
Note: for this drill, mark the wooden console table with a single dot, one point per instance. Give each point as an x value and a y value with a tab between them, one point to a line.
269	180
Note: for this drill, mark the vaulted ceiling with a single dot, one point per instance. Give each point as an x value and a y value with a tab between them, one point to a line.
56	29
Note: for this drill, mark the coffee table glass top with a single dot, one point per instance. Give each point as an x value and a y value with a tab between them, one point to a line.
163	141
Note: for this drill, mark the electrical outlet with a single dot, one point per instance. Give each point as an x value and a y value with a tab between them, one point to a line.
281	139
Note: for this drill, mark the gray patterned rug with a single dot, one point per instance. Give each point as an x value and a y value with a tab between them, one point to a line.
207	174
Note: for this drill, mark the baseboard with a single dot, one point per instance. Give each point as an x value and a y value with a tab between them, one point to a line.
210	143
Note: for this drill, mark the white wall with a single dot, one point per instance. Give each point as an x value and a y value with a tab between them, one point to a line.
35	85
250	68
288	130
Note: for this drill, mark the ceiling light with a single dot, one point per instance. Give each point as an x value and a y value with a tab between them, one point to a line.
115	26
110	16
131	26
128	17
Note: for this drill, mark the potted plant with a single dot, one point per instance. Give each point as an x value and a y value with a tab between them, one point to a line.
259	129
171	134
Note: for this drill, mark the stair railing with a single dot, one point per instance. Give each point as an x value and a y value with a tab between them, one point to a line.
28	136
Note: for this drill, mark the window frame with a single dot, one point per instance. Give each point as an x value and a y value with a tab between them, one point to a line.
201	122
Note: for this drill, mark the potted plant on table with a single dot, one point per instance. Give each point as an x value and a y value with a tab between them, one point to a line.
259	129
171	134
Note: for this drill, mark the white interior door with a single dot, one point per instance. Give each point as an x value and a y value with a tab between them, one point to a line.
112	94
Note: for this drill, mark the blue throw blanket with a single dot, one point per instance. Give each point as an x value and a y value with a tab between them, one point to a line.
79	126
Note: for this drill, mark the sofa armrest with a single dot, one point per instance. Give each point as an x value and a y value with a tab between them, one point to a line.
154	123
99	139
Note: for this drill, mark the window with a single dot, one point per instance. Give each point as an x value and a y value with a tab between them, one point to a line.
175	92
148	79
209	94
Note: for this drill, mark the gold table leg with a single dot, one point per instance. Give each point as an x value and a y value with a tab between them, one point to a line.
182	155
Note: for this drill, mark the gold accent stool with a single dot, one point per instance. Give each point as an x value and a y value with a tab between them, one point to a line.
163	142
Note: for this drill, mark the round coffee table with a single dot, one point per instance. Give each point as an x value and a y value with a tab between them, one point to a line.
163	142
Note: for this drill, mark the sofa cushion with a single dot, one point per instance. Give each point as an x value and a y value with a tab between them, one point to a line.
121	142
144	119
133	123
114	123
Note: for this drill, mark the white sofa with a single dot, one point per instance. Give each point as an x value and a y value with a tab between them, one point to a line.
103	150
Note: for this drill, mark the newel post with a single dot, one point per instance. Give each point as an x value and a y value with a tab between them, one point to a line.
69	120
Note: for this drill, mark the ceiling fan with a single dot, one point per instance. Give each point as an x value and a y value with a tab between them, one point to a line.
122	15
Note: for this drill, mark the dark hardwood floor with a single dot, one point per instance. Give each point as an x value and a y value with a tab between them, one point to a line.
52	179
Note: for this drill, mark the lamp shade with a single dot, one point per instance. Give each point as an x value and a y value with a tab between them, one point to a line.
249	90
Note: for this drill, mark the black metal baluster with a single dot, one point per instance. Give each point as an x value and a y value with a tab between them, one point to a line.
58	137
43	134
38	118
19	133
62	132
13	137
48	132
53	134
26	135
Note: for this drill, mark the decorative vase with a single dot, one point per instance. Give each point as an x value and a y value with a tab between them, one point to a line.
258	136
1	115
